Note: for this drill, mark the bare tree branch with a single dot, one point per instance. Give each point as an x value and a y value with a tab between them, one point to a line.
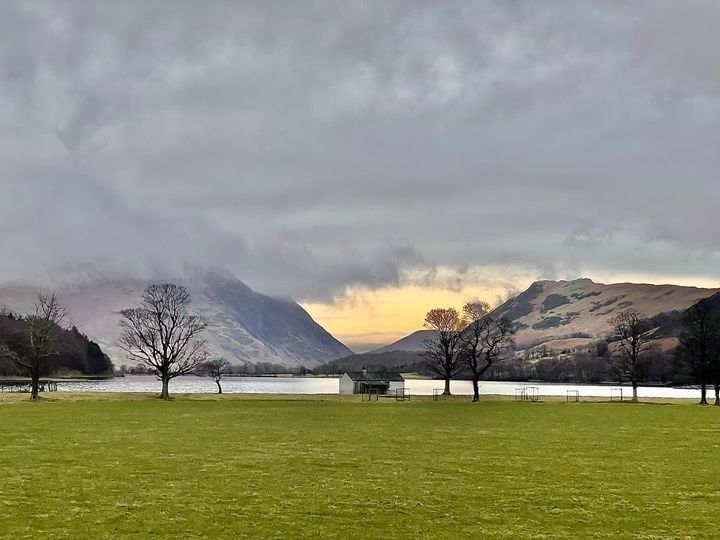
161	334
441	350
43	329
215	368
483	340
699	347
632	331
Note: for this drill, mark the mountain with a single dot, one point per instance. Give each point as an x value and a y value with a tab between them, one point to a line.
242	325
404	361
568	314
415	342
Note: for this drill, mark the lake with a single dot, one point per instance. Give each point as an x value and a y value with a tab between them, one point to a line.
330	385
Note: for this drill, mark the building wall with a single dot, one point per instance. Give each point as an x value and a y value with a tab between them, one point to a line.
347	385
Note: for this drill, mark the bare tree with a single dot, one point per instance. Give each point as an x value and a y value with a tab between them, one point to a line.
699	347
715	368
162	334
43	328
441	350
7	354
483	340
631	328
215	369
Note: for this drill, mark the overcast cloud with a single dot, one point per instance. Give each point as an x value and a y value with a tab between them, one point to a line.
311	146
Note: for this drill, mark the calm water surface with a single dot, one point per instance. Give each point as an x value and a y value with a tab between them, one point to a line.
330	385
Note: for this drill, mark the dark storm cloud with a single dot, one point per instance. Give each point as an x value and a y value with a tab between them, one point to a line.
309	146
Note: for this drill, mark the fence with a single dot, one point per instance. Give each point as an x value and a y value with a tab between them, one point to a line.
572	396
369	394
527	393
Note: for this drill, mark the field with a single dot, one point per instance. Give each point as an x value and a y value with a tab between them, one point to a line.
118	466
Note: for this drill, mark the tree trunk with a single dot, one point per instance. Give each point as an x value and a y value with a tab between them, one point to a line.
219	387
635	396
446	392
717	394
703	394
34	385
165	394
476	390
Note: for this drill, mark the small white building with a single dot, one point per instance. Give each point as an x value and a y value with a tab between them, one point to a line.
359	382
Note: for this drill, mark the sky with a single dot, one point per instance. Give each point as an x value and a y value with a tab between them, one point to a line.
369	159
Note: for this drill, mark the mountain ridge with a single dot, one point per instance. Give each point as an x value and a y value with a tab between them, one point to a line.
572	313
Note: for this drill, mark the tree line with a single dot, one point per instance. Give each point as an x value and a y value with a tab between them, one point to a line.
592	365
160	334
699	348
39	344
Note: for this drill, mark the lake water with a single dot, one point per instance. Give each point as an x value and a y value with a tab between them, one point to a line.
330	385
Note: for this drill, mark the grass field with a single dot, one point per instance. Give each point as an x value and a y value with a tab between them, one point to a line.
114	466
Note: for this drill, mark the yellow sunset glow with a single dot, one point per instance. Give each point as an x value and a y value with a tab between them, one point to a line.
366	319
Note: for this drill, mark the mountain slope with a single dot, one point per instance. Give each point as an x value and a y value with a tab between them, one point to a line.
244	326
563	314
392	361
567	314
415	342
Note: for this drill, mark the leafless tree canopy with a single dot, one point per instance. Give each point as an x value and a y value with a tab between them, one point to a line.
631	329
215	368
162	334
699	347
441	350
483	340
43	328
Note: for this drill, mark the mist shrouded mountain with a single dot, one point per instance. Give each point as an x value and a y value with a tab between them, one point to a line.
242	325
567	314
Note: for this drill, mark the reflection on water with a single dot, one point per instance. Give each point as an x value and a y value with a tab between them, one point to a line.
330	385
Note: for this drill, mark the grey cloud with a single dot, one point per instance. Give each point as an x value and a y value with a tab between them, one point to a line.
311	146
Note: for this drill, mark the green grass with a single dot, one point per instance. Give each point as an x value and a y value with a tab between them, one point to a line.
109	466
